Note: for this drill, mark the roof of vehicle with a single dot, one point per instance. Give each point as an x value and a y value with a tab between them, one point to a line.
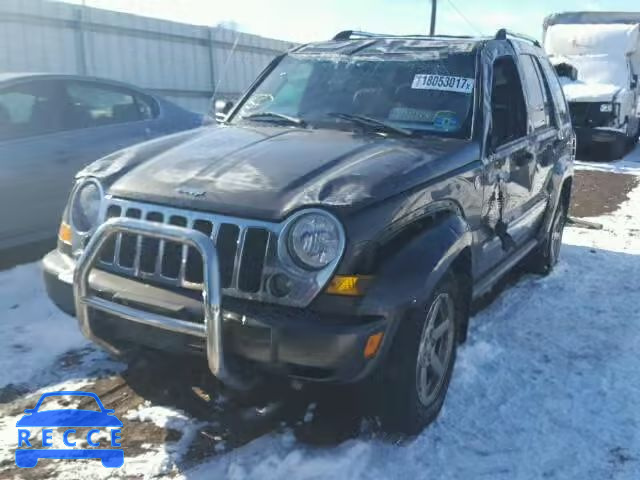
349	42
591	17
18	76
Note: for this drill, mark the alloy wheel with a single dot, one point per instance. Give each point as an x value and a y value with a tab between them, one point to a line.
436	348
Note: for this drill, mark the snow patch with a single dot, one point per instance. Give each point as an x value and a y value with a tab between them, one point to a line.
34	330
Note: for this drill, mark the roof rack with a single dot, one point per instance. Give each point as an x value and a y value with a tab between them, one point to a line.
353	34
350	34
503	34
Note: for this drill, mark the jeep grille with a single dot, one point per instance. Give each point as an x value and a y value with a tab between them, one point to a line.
246	249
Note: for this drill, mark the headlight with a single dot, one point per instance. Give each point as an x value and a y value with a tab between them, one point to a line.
315	239
85	205
606	108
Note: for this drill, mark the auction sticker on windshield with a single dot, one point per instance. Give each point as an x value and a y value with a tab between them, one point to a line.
445	83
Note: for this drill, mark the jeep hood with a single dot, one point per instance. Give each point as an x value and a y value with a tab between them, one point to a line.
266	172
589	92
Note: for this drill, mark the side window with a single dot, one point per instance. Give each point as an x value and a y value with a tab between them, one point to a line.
95	105
535	93
27	110
508	108
549	107
556	91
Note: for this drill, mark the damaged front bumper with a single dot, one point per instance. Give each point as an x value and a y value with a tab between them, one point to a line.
588	136
118	313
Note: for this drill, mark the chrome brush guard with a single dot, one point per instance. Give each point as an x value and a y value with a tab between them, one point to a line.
210	330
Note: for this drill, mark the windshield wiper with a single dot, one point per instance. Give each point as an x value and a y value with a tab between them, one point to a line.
275	116
371	122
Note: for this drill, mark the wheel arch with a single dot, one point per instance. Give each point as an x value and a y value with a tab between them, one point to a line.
407	279
565	191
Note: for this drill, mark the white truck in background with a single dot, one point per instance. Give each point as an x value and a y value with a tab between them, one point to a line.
597	57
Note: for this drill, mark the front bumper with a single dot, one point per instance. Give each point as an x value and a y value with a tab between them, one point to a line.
588	137
295	342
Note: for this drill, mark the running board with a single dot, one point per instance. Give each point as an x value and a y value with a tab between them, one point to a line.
491	278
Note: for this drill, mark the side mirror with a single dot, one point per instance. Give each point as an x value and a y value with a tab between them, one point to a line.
221	108
634	81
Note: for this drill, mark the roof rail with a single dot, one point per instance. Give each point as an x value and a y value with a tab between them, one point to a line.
503	33
352	34
349	34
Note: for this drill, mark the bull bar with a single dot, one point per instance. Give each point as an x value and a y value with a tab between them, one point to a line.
210	329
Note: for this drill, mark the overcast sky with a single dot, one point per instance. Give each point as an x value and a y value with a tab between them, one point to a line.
302	20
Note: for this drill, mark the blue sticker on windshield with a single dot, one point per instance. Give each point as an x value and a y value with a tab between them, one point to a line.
446	121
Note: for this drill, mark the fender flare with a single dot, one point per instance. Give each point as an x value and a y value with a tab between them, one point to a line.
563	176
406	279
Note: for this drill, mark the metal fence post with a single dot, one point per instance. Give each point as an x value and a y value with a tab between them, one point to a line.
212	66
81	54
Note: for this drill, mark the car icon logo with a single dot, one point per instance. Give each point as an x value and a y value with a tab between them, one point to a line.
69	419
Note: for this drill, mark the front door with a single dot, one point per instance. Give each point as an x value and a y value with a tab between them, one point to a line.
509	153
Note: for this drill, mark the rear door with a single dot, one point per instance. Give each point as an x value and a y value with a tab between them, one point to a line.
546	132
101	119
526	201
98	119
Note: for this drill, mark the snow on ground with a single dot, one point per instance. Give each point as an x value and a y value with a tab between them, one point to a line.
547	386
630	164
34	331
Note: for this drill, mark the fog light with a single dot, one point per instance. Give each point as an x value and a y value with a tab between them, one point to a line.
64	234
373	344
280	285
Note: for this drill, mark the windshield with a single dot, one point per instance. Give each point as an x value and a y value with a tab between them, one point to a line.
431	93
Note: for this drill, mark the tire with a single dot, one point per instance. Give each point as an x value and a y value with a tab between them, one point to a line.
545	257
413	388
617	148
633	140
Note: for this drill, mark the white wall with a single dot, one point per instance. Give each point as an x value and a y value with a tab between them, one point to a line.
182	62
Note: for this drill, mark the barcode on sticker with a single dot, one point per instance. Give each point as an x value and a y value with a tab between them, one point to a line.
445	83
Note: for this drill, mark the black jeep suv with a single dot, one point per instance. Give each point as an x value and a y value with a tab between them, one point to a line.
338	223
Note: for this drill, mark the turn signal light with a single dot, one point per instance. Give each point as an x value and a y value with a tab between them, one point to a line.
64	234
350	285
373	344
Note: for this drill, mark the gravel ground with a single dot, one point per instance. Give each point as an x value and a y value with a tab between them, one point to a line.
596	193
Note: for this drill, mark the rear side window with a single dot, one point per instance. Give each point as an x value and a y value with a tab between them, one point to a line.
536	94
556	91
94	105
29	109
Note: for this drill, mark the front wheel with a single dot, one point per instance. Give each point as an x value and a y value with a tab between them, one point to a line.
416	376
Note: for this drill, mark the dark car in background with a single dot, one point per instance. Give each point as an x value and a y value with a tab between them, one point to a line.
51	126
